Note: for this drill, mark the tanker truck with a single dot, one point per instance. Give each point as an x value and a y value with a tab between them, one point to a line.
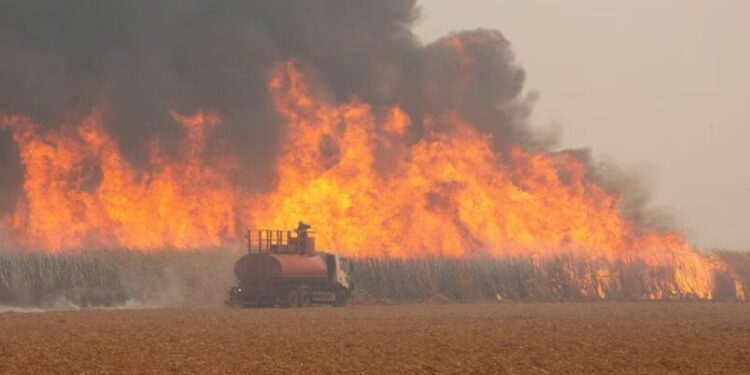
283	268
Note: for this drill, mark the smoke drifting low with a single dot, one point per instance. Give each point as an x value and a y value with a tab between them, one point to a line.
142	58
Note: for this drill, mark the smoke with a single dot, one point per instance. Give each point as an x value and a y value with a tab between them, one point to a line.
115	279
31	282
143	58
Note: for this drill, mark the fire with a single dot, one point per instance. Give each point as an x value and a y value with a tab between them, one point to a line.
464	59
80	192
357	173
449	194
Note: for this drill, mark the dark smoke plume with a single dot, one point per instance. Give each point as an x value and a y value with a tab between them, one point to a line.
143	58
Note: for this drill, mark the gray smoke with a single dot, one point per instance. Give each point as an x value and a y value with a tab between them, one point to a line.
143	58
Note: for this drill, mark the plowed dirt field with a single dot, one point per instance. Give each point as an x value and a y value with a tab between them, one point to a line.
586	338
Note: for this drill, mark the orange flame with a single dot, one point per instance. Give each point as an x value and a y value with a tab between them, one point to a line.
352	171
449	194
80	192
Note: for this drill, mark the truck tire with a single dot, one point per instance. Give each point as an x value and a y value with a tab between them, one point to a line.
305	297
292	298
342	297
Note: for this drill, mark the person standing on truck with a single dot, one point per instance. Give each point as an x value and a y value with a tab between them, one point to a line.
302	230
302	234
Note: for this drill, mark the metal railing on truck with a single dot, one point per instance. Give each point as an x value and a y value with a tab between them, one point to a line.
280	241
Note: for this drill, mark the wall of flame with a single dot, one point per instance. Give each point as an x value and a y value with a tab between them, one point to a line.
356	173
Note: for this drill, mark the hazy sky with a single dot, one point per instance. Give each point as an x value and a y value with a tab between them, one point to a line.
659	86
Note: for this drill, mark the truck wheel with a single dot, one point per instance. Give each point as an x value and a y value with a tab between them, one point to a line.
305	298
292	298
342	298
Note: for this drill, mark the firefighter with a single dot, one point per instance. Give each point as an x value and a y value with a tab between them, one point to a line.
302	236
302	230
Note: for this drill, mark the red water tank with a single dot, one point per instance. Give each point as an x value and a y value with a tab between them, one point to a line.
264	266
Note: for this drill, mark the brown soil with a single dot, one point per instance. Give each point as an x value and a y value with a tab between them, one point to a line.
643	338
